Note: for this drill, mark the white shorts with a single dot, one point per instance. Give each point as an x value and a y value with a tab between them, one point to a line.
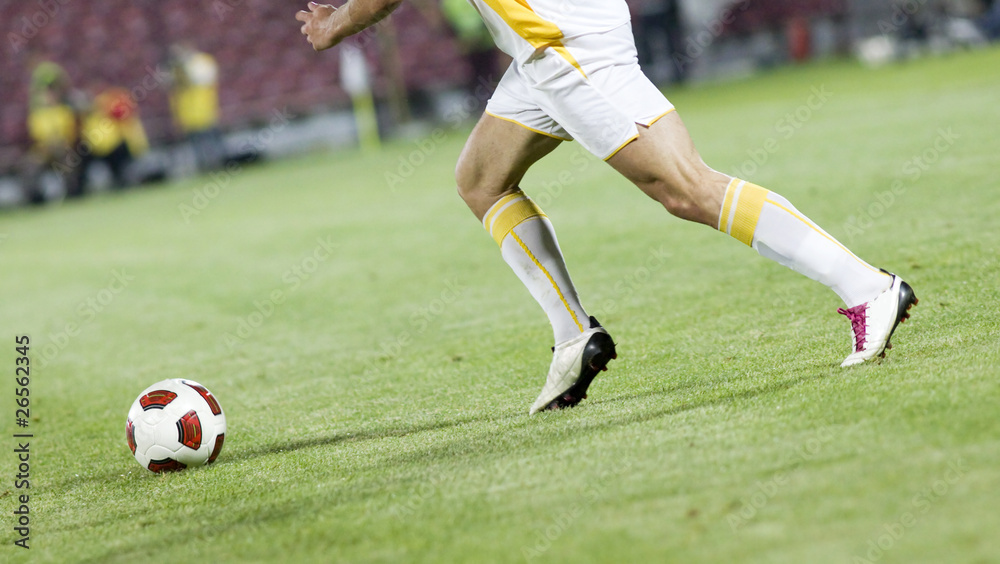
592	91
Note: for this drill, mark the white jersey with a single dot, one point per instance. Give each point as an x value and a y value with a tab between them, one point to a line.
525	28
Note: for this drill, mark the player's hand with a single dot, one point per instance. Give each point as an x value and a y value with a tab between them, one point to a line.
317	25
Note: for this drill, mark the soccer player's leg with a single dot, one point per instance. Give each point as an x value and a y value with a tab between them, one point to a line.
665	165
489	172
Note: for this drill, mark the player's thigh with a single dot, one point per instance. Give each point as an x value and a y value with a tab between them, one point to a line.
495	158
664	163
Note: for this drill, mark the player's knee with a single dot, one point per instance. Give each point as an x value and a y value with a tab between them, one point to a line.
467	183
473	181
465	178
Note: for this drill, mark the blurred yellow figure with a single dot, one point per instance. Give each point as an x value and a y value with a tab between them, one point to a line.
113	133
194	101
52	128
51	118
114	120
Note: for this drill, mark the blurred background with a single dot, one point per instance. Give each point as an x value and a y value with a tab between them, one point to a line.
123	93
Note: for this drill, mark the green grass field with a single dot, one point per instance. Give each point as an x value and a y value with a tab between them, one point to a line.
378	413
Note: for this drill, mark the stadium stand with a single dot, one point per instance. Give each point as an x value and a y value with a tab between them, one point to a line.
264	62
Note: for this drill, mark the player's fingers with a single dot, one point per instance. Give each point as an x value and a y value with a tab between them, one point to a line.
322	10
303	16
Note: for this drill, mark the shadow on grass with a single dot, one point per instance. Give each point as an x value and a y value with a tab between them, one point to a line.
528	434
643	416
401	431
289	446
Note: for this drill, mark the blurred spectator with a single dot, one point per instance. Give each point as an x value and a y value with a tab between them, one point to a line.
52	127
194	101
112	133
659	35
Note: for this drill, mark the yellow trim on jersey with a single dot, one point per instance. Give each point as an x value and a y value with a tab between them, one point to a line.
564	53
824	234
515	214
727	205
499	206
622	146
521	18
748	208
551	280
531	129
534	29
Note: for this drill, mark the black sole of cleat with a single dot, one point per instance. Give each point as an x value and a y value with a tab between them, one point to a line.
600	350
907	299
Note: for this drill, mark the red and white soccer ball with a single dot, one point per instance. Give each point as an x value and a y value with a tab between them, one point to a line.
175	424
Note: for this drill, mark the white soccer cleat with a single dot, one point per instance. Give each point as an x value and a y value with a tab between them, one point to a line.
873	323
575	363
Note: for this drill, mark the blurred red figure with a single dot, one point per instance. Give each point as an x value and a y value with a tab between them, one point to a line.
112	133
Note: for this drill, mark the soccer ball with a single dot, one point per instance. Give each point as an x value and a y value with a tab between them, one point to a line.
175	424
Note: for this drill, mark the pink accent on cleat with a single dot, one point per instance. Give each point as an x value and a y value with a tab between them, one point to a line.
857	317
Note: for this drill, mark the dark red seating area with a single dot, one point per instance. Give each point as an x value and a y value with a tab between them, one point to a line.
264	61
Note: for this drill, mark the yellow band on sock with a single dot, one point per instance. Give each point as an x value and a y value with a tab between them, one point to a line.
727	205
497	207
749	204
519	211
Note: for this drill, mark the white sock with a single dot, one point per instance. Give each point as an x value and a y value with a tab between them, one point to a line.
775	229
528	244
